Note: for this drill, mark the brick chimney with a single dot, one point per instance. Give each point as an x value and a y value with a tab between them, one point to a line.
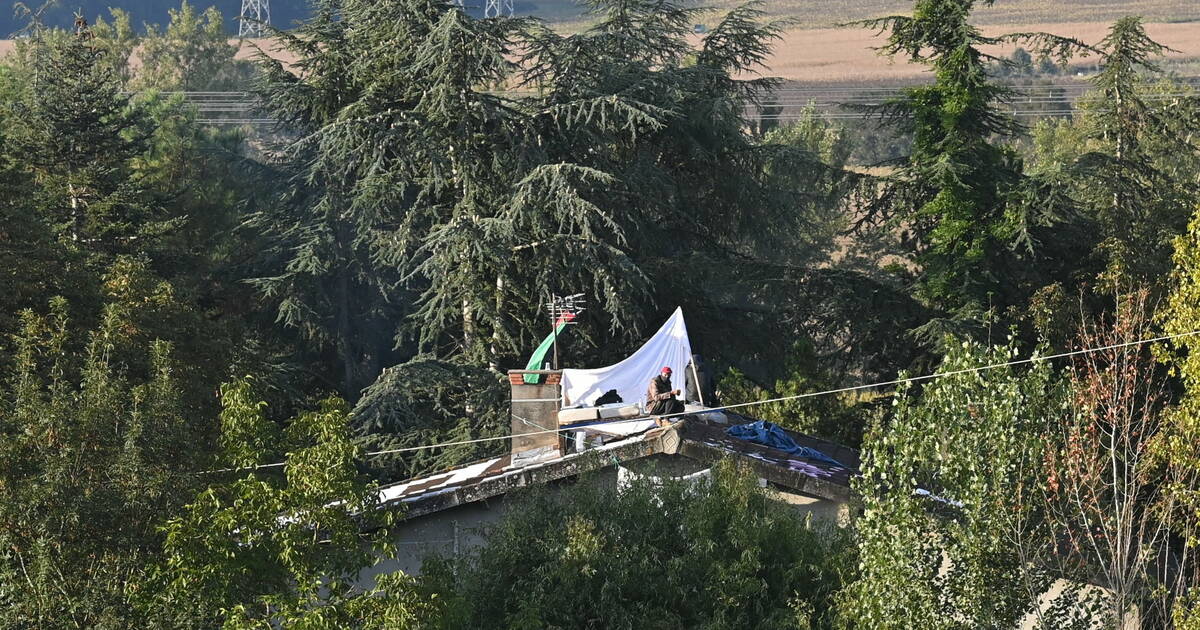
534	412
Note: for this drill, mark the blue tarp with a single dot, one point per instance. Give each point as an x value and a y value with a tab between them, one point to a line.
769	434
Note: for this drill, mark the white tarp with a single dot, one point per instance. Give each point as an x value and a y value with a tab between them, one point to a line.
668	347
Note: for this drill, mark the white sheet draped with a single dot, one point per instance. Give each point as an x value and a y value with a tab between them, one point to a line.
668	347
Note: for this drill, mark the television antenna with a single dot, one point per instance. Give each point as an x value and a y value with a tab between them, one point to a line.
565	308
256	17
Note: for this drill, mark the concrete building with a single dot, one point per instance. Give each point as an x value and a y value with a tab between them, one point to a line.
451	512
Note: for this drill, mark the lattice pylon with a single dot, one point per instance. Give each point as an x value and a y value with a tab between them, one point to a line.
256	15
496	8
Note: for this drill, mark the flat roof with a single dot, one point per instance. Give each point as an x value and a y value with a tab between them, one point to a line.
694	438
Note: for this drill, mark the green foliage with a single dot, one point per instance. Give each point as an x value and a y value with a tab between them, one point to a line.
720	554
1181	313
274	549
1022	64
426	401
1179	444
952	525
143	12
117	40
93	455
411	213
471	206
192	54
714	221
1186	614
974	219
1126	161
77	135
321	276
99	184
839	419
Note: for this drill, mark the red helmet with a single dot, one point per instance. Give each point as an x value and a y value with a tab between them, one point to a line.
666	369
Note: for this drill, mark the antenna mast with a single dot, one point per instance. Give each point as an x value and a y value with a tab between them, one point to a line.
256	15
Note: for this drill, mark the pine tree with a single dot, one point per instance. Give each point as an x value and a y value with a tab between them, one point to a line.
629	174
1137	174
319	268
699	209
971	214
427	402
77	135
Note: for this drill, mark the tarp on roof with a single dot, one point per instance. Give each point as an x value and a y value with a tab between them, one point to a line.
769	434
668	347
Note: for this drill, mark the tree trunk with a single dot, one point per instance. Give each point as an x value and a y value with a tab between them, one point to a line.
497	326
468	319
345	336
76	212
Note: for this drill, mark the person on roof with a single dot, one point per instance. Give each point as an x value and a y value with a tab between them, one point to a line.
660	398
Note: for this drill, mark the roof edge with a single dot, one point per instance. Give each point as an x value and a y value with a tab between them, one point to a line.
659	440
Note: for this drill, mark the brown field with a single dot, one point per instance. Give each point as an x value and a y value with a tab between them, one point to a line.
845	55
833	55
567	14
248	50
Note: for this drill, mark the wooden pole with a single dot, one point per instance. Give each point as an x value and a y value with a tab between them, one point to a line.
554	331
696	379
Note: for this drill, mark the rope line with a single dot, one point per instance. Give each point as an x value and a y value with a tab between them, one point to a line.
840	390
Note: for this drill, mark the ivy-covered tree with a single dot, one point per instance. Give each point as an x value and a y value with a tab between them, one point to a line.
1180	444
973	218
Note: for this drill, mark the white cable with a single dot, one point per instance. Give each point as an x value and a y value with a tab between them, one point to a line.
841	390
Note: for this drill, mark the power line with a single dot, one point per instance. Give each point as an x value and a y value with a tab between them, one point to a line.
826	103
841	390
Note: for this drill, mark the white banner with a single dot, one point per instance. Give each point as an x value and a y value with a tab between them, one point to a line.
669	347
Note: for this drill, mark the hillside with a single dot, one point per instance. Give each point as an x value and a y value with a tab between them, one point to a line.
846	55
810	53
822	13
283	12
568	14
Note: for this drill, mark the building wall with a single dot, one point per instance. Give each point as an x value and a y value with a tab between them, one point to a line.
465	527
820	509
457	530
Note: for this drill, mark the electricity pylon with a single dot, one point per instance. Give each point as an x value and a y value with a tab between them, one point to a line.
496	8
256	15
